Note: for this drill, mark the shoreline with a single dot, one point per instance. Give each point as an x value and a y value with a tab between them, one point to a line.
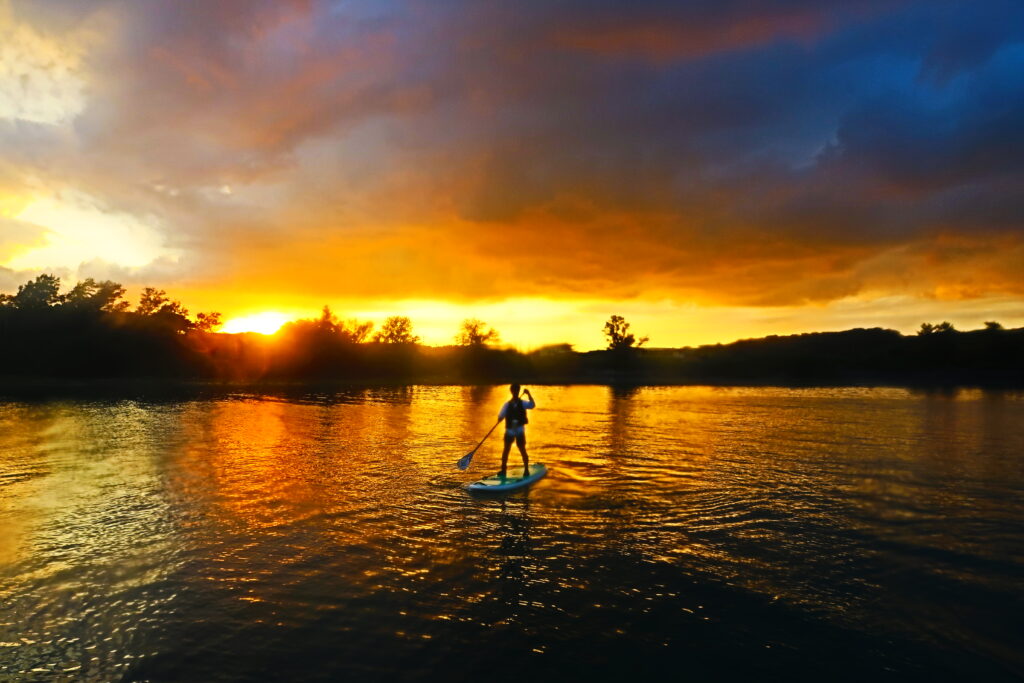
49	387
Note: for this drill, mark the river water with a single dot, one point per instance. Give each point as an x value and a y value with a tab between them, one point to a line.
689	532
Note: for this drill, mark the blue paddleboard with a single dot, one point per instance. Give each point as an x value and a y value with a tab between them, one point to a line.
511	482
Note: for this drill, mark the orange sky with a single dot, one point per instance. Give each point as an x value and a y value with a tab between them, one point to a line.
709	171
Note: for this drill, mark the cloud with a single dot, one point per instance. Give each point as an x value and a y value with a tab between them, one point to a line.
67	230
663	32
728	153
40	79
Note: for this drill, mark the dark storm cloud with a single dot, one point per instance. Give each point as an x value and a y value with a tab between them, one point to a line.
936	138
738	151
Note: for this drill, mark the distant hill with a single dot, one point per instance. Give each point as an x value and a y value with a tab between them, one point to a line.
876	355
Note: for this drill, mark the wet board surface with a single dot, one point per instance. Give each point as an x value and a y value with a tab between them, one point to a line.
514	479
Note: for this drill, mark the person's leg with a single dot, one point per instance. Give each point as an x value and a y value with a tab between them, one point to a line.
521	443
504	453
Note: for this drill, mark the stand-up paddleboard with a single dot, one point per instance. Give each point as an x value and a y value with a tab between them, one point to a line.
496	484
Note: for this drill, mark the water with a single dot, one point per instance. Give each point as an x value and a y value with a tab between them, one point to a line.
694	533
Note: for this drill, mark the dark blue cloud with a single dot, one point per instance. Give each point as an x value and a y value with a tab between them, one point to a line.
838	125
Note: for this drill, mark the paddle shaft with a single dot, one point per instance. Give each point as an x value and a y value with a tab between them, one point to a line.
464	461
485	436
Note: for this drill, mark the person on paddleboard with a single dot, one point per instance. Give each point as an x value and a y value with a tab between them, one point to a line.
514	415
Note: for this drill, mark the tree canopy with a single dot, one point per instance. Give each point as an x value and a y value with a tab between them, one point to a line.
91	331
329	327
42	296
397	329
476	333
619	336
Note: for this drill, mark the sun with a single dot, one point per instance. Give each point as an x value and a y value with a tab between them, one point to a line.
263	323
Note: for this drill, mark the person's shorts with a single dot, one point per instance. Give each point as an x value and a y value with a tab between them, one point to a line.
512	432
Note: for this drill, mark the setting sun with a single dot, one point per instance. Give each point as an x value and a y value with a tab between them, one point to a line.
263	323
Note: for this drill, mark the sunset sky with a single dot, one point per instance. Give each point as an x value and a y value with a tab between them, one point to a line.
710	170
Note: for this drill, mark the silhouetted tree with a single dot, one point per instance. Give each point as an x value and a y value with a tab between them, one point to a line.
475	333
354	331
38	294
993	326
329	328
327	322
150	301
105	296
945	327
207	322
396	330
324	326
619	336
88	332
154	304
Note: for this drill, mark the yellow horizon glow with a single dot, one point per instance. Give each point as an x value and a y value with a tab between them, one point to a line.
527	324
268	323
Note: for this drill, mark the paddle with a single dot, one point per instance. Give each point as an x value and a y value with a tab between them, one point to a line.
463	462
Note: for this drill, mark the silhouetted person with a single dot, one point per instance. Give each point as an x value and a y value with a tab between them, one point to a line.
514	414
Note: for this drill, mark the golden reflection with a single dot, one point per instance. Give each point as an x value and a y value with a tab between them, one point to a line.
280	509
91	534
243	452
11	532
75	459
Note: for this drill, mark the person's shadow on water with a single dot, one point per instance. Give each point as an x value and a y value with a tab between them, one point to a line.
514	552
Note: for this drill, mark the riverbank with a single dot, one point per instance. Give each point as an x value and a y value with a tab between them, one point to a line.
859	357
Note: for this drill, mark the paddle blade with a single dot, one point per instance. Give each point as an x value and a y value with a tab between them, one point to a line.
463	462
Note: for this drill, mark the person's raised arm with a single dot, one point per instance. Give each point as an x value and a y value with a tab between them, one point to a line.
532	403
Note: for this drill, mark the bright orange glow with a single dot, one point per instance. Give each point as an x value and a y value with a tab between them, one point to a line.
529	323
263	323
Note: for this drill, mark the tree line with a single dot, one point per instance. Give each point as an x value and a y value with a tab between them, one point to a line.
92	331
42	296
89	297
397	329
